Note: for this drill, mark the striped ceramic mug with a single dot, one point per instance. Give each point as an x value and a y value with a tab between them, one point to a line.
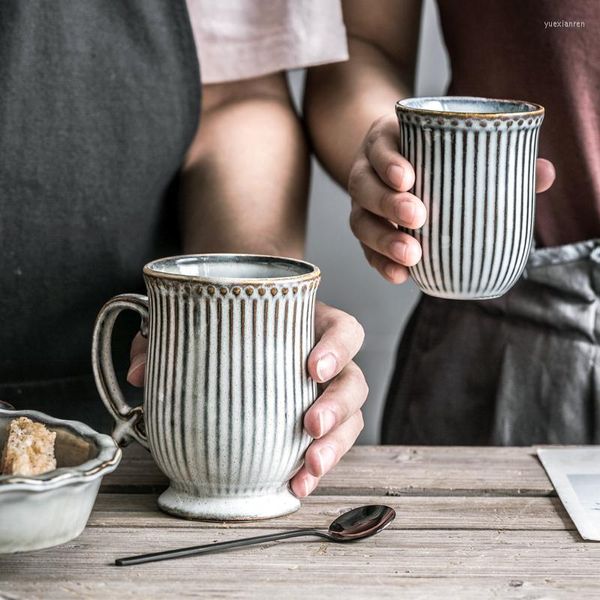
226	384
474	161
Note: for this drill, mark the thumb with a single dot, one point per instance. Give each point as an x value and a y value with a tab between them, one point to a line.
137	368
545	175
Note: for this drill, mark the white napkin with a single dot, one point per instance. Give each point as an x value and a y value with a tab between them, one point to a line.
575	475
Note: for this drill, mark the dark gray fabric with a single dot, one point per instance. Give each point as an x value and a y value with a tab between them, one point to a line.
518	370
99	104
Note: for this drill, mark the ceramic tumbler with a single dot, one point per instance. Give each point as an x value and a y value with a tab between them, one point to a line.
226	383
474	161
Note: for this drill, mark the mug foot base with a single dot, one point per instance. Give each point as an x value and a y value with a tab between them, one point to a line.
224	508
457	296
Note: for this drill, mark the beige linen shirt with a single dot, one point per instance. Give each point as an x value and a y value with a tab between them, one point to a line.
241	39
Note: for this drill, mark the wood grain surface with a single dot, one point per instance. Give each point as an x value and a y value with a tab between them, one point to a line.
412	512
471	523
390	470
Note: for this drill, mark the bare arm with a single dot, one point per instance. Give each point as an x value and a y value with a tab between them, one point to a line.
244	189
350	113
342	100
245	180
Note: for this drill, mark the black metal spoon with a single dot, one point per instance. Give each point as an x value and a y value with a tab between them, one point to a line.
356	524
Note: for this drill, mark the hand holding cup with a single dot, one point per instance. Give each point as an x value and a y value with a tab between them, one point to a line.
380	185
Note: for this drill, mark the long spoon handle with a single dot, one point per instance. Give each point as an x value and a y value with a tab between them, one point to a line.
208	548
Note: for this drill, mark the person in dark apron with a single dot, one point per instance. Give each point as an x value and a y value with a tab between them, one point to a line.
103	169
521	369
96	97
517	370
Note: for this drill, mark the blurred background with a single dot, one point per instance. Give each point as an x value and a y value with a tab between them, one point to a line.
348	281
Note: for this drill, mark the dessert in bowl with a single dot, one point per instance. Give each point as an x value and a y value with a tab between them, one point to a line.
51	508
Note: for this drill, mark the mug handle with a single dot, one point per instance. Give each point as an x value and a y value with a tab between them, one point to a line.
129	421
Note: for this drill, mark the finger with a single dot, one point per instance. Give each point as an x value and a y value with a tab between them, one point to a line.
381	236
389	269
137	369
367	190
340	337
139	345
545	175
303	483
381	149
343	397
323	454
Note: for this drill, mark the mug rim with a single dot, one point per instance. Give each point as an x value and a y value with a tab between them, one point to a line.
535	111
313	273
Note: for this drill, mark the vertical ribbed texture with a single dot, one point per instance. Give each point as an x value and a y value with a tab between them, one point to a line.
227	384
477	181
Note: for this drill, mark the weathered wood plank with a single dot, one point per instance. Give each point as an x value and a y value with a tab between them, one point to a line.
413	512
517	564
376	587
390	470
472	523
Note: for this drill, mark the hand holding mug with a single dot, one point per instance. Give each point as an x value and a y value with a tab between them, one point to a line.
335	419
379	185
227	386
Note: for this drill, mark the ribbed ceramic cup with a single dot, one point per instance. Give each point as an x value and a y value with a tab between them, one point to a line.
226	384
474	161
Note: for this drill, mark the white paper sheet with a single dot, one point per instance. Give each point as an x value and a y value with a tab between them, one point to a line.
575	475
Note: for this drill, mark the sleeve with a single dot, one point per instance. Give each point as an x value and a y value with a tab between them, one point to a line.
241	39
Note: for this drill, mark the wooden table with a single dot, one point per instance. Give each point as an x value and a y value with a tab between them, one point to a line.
472	523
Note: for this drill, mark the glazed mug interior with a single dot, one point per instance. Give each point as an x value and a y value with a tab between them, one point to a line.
466	106
229	267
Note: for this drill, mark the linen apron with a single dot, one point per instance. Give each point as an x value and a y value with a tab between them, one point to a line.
517	370
99	104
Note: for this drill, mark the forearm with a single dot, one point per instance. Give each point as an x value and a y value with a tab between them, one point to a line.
343	100
245	181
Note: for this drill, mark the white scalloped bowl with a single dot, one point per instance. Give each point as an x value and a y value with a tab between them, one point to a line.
47	510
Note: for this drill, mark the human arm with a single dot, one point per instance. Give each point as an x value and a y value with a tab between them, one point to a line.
342	100
245	178
350	113
244	189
